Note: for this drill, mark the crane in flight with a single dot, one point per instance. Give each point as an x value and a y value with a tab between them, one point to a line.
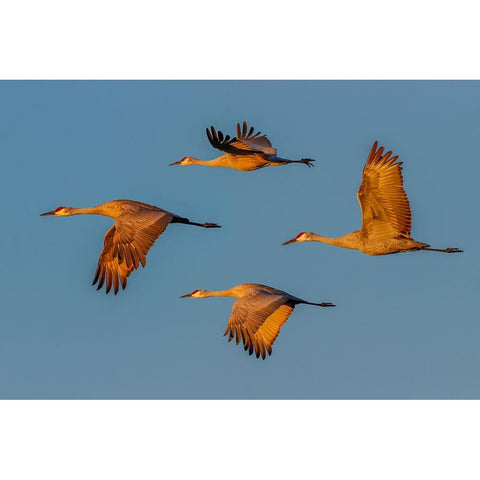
126	244
386	215
258	314
246	152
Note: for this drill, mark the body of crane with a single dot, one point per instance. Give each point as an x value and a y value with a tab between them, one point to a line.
386	215
246	152
127	242
257	315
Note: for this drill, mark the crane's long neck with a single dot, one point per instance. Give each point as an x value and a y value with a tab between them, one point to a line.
230	292
96	210
216	162
350	240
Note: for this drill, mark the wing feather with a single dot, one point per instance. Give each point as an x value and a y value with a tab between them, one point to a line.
257	319
384	203
245	143
219	141
126	245
251	142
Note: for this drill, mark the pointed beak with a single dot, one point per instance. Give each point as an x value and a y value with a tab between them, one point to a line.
293	240
186	296
176	163
48	213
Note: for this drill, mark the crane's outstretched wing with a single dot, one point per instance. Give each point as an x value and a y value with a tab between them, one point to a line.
248	141
385	208
257	320
126	245
245	143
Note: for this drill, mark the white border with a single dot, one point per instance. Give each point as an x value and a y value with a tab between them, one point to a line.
238	439
251	39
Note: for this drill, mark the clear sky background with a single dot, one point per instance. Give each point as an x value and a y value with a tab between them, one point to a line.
405	325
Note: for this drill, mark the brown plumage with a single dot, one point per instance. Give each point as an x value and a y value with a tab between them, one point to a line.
246	152
127	242
386	215
258	314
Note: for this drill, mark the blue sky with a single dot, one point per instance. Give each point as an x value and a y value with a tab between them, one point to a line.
405	326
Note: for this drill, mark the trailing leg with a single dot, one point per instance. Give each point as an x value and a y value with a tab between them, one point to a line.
284	161
188	222
445	250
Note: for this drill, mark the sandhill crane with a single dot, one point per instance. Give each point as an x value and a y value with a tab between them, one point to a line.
246	152
386	216
257	315
127	242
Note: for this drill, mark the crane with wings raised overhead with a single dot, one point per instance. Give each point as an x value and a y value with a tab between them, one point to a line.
126	244
258	314
386	215
247	151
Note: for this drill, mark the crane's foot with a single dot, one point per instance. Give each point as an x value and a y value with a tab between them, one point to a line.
453	250
211	225
307	161
327	304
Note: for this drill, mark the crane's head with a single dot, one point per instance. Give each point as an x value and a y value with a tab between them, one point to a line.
195	294
183	161
301	237
59	212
